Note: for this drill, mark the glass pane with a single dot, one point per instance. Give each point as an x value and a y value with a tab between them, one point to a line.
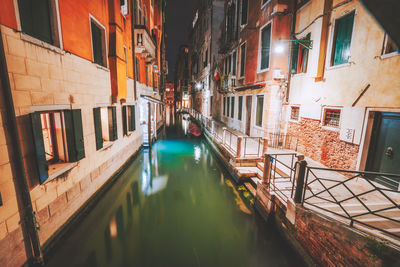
265	46
260	108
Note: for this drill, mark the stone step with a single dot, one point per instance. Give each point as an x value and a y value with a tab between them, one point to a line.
248	172
251	189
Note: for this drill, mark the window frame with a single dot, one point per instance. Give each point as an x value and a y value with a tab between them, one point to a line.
233	106
262	111
242	25
386	38
291	112
299	67
242	68
323	118
334	37
124	8
104	41
240	107
106	143
259	69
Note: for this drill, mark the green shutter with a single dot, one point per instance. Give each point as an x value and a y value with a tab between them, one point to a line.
132	126
233	106
39	147
240	108
74	134
97	44
112	123
97	128
124	120
295	56
265	46
242	59
344	31
35	19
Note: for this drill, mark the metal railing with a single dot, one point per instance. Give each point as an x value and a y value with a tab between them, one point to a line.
284	141
279	174
354	196
230	140
253	147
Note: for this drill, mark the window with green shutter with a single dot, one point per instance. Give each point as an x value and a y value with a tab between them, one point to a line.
242	59
300	56
112	123
125	119
232	106
265	46
132	118
260	109
224	110
240	107
228	106
58	138
98	128
98	44
36	19
342	39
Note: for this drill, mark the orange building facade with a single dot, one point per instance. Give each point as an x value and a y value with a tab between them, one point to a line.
77	73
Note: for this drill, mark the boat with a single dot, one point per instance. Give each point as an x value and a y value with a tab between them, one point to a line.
194	129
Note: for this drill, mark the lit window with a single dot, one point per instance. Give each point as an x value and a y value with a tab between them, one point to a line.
300	57
389	46
105	124
332	117
294	113
260	108
265	46
58	138
98	43
342	39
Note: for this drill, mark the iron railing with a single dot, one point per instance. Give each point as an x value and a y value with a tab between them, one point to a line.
230	141
354	196
253	147
283	141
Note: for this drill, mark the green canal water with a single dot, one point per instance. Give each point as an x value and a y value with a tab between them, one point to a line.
174	206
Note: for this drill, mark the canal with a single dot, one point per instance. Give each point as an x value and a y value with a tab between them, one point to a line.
174	206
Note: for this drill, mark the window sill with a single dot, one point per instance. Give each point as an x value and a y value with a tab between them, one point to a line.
294	121
259	71
393	54
35	41
106	145
58	169
300	74
331	128
339	66
101	67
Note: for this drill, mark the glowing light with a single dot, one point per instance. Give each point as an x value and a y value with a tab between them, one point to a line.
113	228
197	153
198	85
279	48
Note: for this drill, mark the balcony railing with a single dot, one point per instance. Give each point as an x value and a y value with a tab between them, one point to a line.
144	43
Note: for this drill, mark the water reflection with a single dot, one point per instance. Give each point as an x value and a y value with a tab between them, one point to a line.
174	206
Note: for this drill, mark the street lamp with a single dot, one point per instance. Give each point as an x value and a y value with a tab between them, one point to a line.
198	85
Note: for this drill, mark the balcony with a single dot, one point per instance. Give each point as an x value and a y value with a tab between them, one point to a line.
144	43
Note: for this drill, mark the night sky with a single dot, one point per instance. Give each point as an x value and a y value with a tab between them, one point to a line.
178	18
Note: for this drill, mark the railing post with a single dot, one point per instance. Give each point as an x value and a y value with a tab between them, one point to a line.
265	146
267	169
239	147
300	176
223	135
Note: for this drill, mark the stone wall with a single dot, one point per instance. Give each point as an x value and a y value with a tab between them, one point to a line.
323	145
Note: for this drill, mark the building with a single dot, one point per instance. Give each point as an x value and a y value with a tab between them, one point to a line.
253	65
203	48
170	93
81	79
181	79
344	102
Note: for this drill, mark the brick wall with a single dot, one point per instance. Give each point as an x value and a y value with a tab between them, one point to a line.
323	145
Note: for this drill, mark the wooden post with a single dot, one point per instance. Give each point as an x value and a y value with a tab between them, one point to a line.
267	169
265	146
300	175
239	147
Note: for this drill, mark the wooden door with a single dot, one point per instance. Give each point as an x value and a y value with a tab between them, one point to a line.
384	151
248	114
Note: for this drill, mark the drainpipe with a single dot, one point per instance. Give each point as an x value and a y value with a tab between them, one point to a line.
28	225
133	19
292	36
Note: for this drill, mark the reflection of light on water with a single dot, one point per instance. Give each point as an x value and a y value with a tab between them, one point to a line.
157	184
113	227
197	153
185	125
145	180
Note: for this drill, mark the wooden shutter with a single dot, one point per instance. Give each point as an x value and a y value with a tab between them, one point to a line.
344	30
265	46
74	134
97	44
242	59
233	106
39	147
132	126
112	123
97	128
124	120
295	56
35	19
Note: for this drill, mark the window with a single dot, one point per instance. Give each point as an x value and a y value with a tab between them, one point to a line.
58	138
242	59
243	19
265	2
342	39
126	60
294	113
137	69
98	43
331	117
265	47
139	17
232	106
105	125
300	57
128	119
389	46
234	56
124	7
260	108
224	109
240	107
228	106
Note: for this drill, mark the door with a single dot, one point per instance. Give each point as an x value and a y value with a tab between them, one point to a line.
248	114
384	151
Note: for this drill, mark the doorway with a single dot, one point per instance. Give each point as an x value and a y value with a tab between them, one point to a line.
384	149
248	114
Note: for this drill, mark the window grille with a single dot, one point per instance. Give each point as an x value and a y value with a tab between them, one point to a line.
332	117
294	114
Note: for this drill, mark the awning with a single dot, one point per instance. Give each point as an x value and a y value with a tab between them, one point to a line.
152	99
250	87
